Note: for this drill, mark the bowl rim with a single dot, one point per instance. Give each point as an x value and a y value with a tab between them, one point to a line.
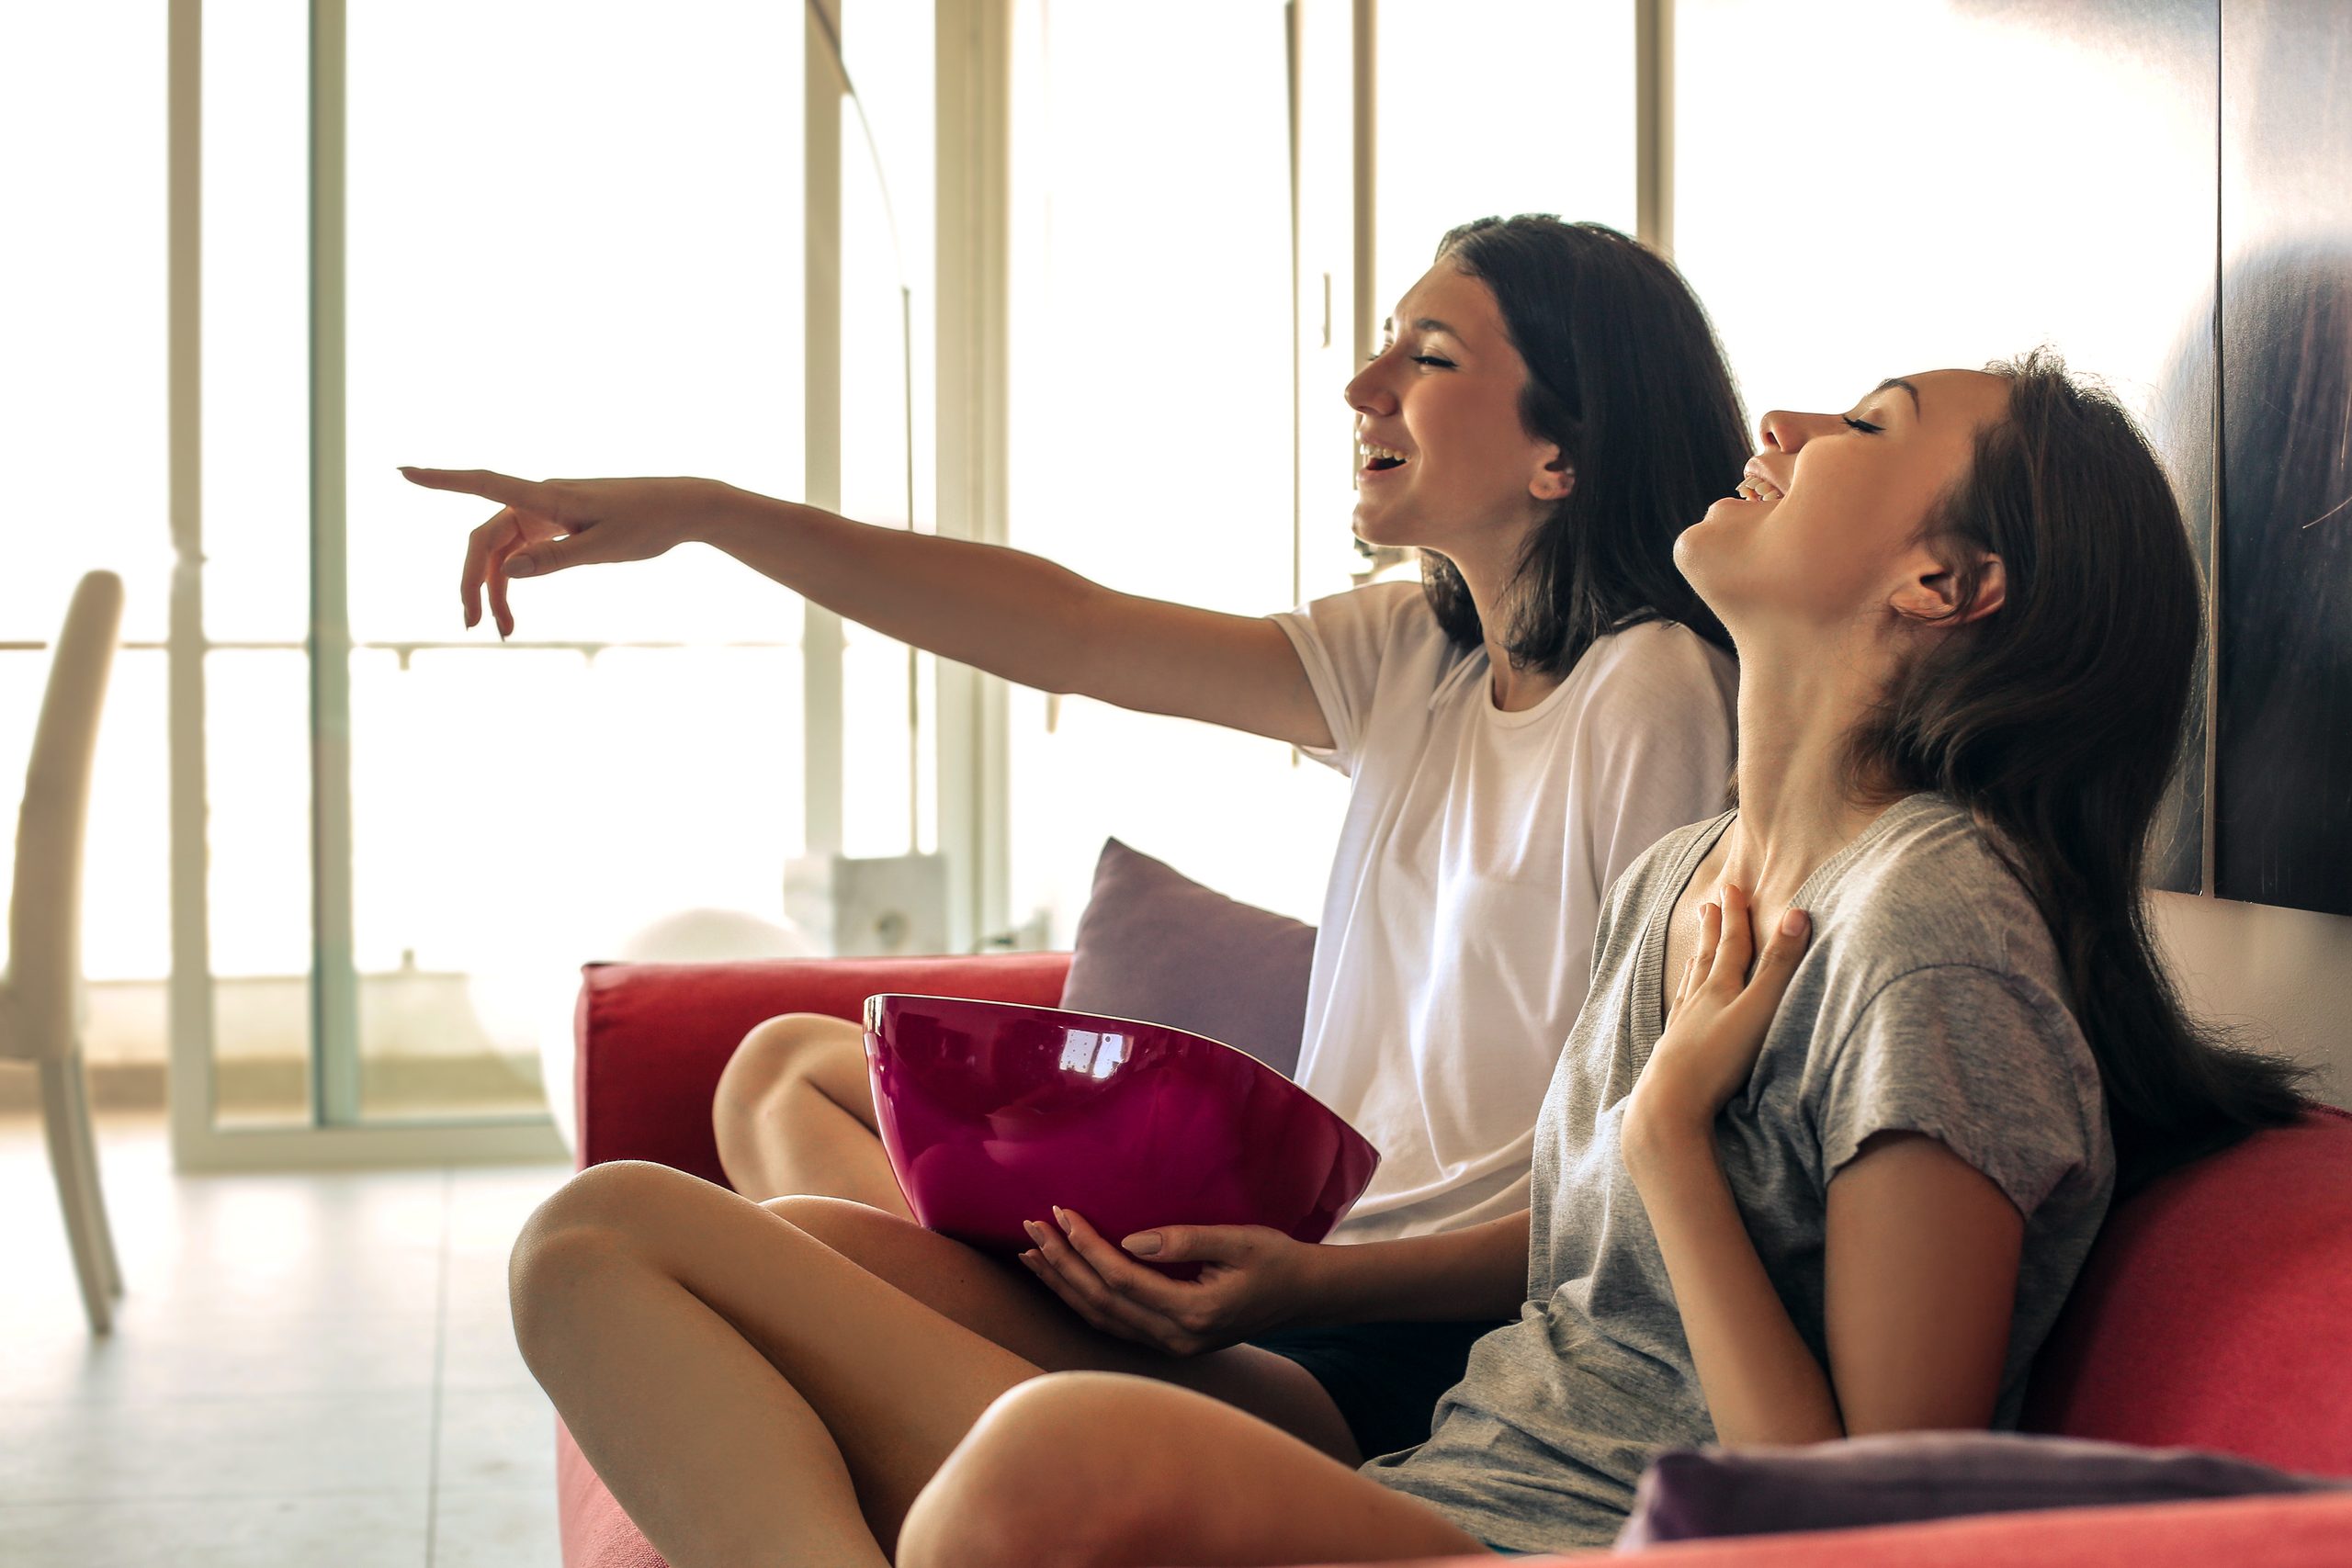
1279	1076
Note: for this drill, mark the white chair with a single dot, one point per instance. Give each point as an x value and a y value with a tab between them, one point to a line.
41	1004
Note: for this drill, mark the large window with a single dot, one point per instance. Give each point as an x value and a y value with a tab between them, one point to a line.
573	247
1491	108
570	244
558	239
81	423
1151	426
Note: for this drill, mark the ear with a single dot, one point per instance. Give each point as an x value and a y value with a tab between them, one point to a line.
1933	592
1555	480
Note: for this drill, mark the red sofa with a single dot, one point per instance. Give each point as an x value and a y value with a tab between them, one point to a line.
2215	1312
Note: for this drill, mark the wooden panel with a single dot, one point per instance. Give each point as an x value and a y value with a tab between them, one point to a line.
2283	762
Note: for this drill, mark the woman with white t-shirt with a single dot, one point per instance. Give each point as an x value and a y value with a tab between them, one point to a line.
1549	410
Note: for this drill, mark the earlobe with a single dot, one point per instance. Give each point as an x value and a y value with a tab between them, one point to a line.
1554	481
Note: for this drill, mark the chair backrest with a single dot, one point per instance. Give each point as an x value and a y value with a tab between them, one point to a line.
2216	1310
45	910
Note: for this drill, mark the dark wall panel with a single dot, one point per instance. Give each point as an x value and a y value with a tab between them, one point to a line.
2283	762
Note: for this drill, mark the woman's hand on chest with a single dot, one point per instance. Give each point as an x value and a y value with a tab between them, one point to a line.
1717	1016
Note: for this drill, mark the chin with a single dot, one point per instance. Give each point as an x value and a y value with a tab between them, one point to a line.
1379	531
1698	557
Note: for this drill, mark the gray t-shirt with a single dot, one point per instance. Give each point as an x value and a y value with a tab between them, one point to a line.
1930	1000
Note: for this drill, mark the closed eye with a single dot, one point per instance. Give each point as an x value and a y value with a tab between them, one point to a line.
1865	426
1433	359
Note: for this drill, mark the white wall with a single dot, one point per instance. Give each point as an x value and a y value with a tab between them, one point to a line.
2284	977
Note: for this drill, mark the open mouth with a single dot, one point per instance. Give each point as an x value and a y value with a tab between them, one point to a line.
1752	489
1379	459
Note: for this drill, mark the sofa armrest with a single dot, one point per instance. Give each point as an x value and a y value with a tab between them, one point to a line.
653	1038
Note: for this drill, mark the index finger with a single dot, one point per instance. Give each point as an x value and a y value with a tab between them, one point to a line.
1117	1269
489	484
1782	951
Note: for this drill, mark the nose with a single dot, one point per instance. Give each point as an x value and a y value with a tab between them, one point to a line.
1368	391
1785	432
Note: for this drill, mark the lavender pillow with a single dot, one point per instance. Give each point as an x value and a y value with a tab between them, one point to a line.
1154	944
1902	1479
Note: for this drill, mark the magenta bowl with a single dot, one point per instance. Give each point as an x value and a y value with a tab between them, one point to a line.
994	1112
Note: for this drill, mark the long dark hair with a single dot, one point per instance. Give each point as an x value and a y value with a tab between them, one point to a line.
2056	720
1624	376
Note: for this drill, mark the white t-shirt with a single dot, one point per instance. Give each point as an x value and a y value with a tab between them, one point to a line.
1456	938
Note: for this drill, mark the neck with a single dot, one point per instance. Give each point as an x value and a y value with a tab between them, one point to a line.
1487	574
1796	804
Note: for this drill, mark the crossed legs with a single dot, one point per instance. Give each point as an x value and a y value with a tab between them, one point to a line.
751	1393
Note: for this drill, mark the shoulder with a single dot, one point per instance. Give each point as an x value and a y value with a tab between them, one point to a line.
1934	889
1380	607
1654	667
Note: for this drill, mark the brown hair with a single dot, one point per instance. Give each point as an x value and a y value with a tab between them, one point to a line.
1624	376
2056	720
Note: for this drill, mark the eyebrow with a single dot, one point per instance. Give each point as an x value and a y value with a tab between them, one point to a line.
1899	382
1426	324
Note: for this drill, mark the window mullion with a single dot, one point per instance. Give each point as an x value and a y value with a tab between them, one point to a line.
334	978
190	1078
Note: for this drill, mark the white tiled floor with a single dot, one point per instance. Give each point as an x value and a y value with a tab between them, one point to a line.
306	1369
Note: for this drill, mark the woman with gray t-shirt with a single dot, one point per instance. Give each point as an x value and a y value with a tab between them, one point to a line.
1860	1066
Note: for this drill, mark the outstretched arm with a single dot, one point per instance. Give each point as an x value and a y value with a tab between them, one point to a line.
1922	1248
999	610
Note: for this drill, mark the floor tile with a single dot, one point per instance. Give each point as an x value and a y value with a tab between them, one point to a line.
504	1526
487	1207
156	1353
296	1357
495	1437
478	1348
268	1446
364	1529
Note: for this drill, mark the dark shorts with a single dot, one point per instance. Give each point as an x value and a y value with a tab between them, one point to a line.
1386	1377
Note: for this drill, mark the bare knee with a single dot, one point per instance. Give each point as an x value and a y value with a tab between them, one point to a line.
775	1057
595	1224
589	1225
1052	1473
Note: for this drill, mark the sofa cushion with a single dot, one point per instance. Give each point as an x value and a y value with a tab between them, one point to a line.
1693	1494
1154	946
2212	1312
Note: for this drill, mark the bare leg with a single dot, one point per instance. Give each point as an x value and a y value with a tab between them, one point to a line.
1114	1472
750	1395
745	1389
1003	1304
795	1113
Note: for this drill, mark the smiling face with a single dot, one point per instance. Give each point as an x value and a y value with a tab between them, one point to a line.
1442	459
1826	528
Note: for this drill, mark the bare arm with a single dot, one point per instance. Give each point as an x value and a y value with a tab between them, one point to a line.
999	610
1480	1271
1253	1279
1922	1248
1030	620
1922	1277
